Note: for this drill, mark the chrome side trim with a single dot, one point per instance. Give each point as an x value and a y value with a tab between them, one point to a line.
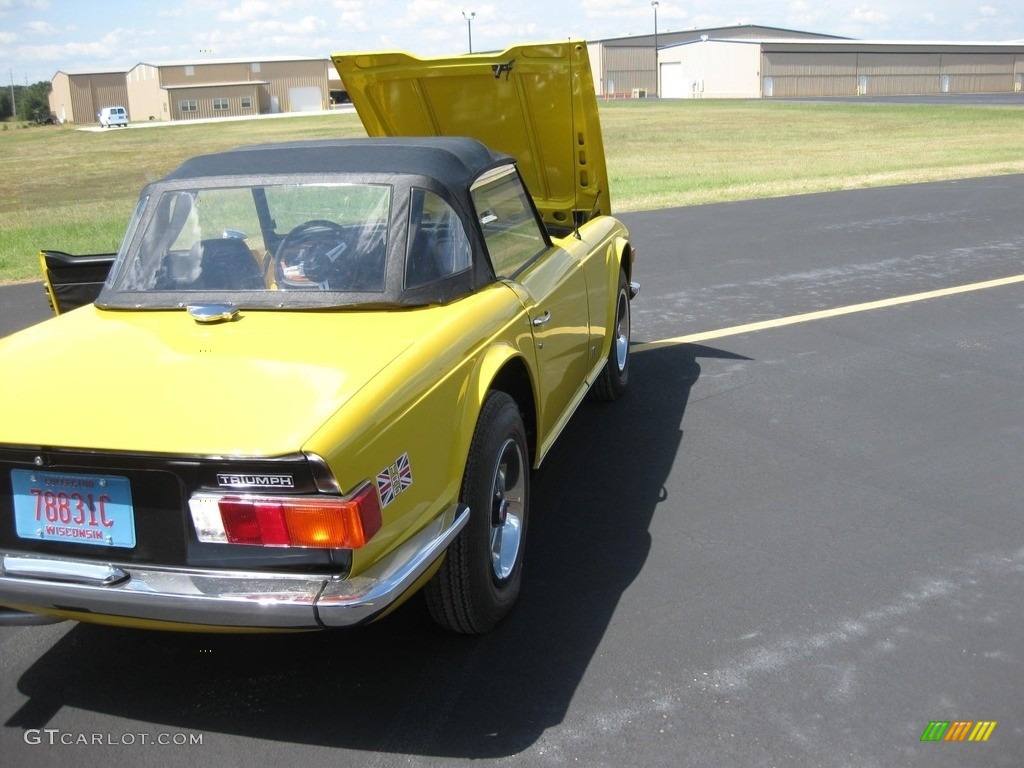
239	599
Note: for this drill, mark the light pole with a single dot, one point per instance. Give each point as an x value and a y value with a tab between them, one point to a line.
469	27
657	83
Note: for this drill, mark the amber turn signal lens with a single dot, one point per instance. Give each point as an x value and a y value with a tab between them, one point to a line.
334	526
297	521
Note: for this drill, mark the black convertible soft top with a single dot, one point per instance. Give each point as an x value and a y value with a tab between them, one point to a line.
447	166
454	162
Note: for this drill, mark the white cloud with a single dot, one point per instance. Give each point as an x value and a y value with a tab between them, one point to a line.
862	14
19	5
433	14
351	16
804	15
63	51
185	9
249	10
43	28
308	25
117	38
989	21
639	11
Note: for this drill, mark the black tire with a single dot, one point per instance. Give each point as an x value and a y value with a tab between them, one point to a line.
613	381
478	583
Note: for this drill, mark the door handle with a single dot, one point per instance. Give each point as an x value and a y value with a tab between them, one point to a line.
543	319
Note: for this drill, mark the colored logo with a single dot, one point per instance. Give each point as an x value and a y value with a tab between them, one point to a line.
393	480
958	730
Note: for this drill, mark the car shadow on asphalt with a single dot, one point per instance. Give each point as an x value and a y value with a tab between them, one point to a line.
402	685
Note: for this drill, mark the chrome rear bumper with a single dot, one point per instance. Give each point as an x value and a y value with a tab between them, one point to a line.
31	584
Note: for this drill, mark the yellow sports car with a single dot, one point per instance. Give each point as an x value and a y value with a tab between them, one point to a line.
318	375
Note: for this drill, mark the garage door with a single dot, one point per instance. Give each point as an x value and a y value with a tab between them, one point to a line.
305	99
673	84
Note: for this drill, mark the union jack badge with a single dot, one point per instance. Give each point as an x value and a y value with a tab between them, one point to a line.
393	480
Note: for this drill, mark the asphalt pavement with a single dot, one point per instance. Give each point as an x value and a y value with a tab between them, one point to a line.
798	543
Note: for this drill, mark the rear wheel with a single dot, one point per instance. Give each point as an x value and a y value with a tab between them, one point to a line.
479	581
614	379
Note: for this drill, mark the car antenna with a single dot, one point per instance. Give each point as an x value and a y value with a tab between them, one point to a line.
572	149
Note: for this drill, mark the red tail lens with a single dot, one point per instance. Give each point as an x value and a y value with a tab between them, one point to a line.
301	521
240	523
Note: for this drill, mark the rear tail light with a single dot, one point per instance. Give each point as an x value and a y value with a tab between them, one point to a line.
287	521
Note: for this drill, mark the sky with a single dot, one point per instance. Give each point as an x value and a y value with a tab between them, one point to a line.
38	38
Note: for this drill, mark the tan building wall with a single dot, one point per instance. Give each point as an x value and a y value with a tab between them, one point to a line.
628	72
980	72
148	100
290	86
246	87
78	98
193	102
785	73
60	97
881	69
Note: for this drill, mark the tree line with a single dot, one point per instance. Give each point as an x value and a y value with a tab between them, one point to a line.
32	102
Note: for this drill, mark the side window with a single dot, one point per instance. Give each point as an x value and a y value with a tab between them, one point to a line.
438	245
509	224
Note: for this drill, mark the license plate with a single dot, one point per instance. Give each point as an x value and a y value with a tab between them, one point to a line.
75	508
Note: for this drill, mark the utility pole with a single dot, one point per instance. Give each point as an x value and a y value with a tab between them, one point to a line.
469	24
14	109
657	72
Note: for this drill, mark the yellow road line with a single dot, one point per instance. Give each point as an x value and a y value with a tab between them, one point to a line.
825	313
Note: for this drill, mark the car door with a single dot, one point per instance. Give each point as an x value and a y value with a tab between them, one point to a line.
551	285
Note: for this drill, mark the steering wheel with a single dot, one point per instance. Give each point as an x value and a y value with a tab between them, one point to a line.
312	254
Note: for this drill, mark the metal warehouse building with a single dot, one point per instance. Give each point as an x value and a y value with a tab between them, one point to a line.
185	90
79	97
755	62
628	66
227	88
752	69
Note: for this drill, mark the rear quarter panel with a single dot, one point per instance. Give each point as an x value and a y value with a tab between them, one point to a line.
424	406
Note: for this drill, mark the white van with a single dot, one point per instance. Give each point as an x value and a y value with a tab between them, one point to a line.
113	116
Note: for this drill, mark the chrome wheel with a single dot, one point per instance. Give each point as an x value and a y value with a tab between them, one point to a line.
508	491
614	379
622	331
479	580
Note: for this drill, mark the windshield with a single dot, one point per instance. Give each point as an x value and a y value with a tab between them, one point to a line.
268	238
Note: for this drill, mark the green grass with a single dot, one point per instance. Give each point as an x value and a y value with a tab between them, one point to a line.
686	152
74	191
